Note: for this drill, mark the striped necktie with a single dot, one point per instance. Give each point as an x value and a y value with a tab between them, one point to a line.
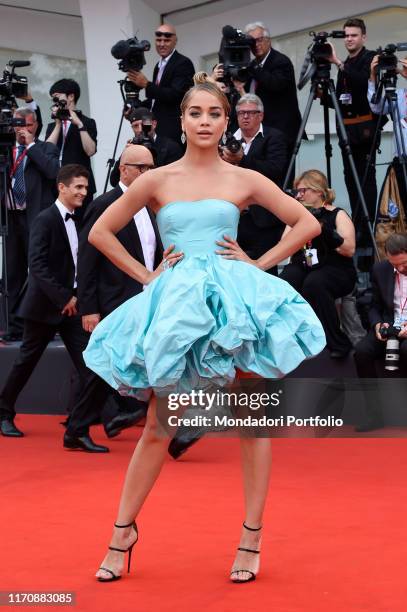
19	183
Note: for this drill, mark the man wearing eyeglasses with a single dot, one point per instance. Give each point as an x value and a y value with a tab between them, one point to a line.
273	80
102	287
265	150
33	173
172	77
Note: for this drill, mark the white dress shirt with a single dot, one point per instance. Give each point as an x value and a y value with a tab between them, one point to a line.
72	234
146	233
161	67
246	145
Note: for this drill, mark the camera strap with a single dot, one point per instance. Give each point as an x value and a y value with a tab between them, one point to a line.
400	292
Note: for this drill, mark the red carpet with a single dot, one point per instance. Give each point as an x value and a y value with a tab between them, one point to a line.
334	538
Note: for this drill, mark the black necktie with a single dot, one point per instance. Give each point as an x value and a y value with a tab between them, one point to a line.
69	216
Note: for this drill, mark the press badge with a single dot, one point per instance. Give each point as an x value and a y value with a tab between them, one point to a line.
400	321
346	98
311	257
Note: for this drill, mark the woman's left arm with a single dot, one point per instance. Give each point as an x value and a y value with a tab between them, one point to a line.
346	229
303	225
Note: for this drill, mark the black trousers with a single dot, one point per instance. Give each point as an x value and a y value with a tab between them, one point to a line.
370	349
360	155
367	351
36	337
17	264
321	287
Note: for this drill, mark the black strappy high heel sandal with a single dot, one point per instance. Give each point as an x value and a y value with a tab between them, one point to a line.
249	550
123	550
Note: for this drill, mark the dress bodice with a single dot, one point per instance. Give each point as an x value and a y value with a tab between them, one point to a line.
195	226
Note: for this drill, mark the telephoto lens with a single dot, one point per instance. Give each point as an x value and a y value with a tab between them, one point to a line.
392	355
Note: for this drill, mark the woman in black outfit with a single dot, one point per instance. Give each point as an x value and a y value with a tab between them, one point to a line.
323	269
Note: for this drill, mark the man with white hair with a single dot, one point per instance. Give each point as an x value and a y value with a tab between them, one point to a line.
273	80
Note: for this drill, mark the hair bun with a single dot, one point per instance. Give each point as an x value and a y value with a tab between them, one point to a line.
202	77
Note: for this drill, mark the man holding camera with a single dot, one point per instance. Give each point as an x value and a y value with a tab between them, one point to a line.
264	149
273	80
360	122
72	132
144	125
388	318
33	173
172	77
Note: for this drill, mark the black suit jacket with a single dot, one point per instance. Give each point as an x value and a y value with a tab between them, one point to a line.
51	269
176	79
40	172
102	286
277	90
73	152
383	281
259	229
166	151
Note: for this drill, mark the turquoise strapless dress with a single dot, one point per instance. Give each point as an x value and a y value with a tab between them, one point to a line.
199	321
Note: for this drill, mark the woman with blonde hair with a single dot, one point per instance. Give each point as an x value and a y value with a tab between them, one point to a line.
207	310
322	270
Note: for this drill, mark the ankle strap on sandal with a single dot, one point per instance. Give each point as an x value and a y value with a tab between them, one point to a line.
252	528
124	526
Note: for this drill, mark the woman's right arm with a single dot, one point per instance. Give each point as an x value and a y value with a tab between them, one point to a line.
117	216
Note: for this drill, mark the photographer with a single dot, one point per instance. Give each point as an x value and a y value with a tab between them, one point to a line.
360	122
323	269
265	150
172	77
402	108
165	150
33	174
273	80
72	132
388	308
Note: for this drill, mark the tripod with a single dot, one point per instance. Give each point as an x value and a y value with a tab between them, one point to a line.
387	84
130	95
320	80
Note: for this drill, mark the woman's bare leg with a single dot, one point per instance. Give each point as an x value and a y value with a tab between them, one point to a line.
144	468
256	464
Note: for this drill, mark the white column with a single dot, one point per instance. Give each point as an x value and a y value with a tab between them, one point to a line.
104	23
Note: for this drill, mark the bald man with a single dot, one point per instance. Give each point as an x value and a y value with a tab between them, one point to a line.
172	77
101	288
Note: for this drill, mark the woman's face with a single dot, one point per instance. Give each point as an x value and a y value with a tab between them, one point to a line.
204	120
308	196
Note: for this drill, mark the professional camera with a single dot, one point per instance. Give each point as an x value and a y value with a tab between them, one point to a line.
316	61
12	86
392	356
130	52
144	138
387	65
232	144
234	54
59	109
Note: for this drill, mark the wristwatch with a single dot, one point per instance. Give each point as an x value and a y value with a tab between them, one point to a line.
82	129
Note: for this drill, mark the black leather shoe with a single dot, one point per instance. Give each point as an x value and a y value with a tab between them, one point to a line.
122	421
180	444
8	429
84	443
369	426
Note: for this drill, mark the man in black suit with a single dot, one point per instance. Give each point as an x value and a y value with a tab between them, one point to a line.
389	307
172	77
35	167
273	80
164	149
49	305
102	287
75	136
263	149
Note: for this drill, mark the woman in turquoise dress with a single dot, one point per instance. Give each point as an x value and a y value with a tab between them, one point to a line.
206	311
